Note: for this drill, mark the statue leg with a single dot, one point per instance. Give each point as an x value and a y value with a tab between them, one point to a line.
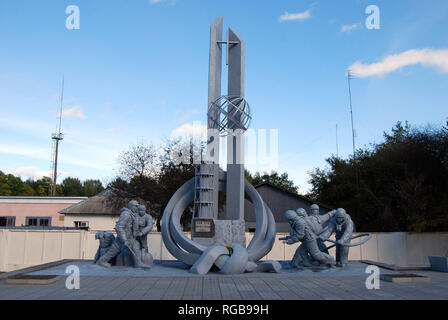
141	260
113	251
97	255
322	246
296	259
303	252
318	255
342	255
338	254
144	242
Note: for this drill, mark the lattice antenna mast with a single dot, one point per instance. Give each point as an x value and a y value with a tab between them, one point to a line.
62	102
337	142
57	137
349	78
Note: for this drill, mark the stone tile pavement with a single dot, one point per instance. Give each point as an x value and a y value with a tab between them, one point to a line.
182	286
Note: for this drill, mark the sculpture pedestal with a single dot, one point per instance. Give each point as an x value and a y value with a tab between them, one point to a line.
226	233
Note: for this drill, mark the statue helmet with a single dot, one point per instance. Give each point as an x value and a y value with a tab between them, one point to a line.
142	207
99	235
314	207
132	203
301	212
341	215
290	215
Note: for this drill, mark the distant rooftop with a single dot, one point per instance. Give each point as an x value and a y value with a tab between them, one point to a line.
27	199
104	203
293	194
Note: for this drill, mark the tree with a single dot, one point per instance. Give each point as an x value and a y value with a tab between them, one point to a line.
173	173
42	187
155	177
92	187
72	187
14	186
5	189
402	186
139	160
281	181
17	186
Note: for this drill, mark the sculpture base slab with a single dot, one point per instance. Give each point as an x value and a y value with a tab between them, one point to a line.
315	268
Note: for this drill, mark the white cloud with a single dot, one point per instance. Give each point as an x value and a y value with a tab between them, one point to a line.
188	129
154	1
33	173
25	171
437	59
75	111
186	116
347	28
72	156
21	124
27	151
295	16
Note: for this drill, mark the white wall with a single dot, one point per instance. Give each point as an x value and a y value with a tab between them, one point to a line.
24	248
96	222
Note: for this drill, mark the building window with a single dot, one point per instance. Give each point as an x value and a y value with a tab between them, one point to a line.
7	221
84	225
38	221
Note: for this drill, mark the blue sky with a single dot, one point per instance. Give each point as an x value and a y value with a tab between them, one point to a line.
137	70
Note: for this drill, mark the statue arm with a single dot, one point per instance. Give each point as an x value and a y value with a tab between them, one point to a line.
121	225
348	232
323	219
135	227
148	227
298	234
291	231
327	232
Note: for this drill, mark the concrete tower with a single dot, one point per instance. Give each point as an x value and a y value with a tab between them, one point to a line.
227	115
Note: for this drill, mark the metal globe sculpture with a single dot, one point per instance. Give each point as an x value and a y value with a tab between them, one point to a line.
231	112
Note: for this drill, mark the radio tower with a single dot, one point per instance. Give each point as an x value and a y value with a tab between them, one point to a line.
349	78
56	137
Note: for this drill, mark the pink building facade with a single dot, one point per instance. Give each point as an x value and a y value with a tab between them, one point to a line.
34	211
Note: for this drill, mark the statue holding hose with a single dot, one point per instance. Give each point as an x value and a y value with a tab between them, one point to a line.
308	250
343	226
312	250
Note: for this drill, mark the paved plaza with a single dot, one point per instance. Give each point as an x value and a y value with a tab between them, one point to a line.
172	281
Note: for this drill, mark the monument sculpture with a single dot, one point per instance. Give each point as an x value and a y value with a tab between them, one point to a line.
129	248
308	251
221	242
314	229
